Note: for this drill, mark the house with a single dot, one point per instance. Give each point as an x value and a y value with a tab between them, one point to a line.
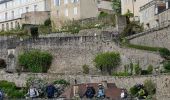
66	10
14	13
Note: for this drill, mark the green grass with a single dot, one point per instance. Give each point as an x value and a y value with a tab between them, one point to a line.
142	47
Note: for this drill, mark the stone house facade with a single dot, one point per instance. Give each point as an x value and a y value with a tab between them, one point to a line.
66	10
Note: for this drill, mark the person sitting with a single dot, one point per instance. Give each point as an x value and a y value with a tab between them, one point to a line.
101	92
50	89
33	92
123	94
90	92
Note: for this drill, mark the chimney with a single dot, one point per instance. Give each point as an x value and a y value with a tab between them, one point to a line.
104	83
76	91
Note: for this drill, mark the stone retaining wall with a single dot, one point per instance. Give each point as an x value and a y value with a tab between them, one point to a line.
162	81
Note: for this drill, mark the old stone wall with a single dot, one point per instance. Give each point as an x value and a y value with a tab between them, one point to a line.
162	81
72	52
156	38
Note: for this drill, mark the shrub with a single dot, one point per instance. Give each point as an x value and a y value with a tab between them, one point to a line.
167	66
47	22
36	61
165	53
133	90
61	81
2	63
85	69
150	69
137	69
150	87
38	83
102	14
11	90
107	61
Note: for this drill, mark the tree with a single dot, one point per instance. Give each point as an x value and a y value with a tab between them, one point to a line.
108	61
128	15
116	6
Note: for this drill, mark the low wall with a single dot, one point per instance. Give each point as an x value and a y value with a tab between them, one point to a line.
162	81
159	38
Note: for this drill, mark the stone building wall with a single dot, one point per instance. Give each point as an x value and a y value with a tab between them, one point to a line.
162	81
159	38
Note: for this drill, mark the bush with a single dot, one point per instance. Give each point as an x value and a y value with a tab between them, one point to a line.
11	90
2	63
35	61
133	90
150	69
150	87
47	22
137	69
85	69
108	61
38	83
61	81
167	66
165	53
102	14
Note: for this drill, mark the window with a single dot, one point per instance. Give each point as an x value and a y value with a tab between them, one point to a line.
6	16
35	7
3	27
57	2
74	1
66	12
75	11
27	9
65	1
12	13
11	25
7	26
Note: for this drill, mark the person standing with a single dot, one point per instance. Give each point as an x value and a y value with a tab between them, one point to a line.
50	90
1	95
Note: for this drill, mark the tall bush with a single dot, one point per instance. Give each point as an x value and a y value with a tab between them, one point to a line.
36	61
108	61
